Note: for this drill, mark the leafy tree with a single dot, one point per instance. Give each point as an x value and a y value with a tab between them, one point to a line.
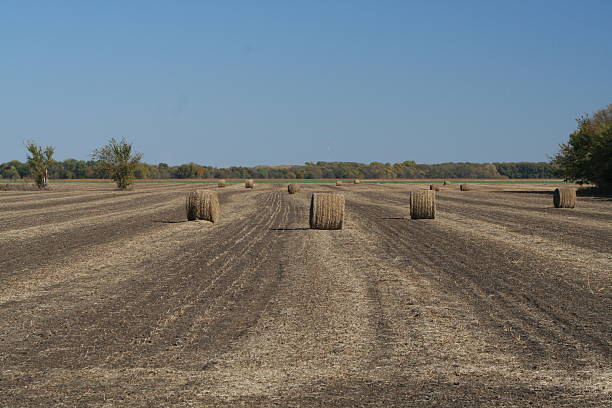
39	159
587	156
119	161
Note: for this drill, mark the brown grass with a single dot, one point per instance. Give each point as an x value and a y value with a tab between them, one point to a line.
327	211
423	204
249	183
338	183
293	188
564	197
202	205
18	187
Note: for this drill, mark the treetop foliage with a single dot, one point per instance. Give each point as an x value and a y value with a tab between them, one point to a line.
587	156
96	169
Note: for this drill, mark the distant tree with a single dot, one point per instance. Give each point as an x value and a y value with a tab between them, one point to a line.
118	161
10	173
587	156
39	159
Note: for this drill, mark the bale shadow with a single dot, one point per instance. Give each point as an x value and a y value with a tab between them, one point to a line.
543	192
290	229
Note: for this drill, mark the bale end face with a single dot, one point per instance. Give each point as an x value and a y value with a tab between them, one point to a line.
434	187
465	187
327	211
293	188
422	204
249	183
564	197
202	205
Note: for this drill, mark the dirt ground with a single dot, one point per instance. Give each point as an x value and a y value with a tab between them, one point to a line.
112	298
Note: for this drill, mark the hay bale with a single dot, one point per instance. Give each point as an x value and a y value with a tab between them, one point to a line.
434	187
564	197
327	211
465	187
202	205
338	183
221	183
293	188
422	204
356	181
447	183
249	183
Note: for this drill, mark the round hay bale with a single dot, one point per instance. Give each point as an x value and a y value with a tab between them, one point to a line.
564	197
326	211
356	181
434	187
249	183
338	183
202	205
422	204
293	188
221	183
447	183
465	187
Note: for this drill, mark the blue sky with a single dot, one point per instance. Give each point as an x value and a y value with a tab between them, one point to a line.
283	82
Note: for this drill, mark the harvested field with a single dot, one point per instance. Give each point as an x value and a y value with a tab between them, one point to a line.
112	298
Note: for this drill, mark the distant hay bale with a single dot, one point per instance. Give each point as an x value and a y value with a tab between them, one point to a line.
249	183
202	205
338	183
293	188
356	181
422	204
564	197
221	183
327	211
465	187
434	187
447	183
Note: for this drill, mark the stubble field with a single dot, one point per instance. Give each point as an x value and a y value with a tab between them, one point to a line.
112	298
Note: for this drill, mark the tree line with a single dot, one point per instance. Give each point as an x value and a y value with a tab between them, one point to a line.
585	158
96	169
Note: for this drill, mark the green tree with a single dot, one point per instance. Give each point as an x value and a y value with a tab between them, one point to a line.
118	161
39	159
587	156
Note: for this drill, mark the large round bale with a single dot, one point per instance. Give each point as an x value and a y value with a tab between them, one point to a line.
434	187
326	211
447	183
564	197
422	204
338	183
465	187
293	188
202	205
249	183
221	183
356	181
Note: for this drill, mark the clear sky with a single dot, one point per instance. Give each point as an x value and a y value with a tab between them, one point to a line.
284	82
